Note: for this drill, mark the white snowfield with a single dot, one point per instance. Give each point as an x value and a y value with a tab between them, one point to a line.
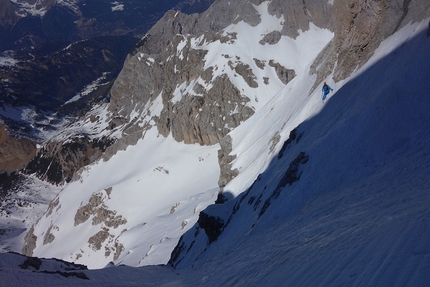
358	216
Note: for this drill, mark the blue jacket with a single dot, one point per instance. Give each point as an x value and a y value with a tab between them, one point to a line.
327	90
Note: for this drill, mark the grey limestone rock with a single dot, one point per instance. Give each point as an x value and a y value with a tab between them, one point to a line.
224	160
205	119
59	159
95	241
271	38
100	213
54	203
359	27
284	74
49	237
246	72
29	242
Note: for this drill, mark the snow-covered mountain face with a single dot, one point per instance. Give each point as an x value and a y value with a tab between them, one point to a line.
129	217
208	102
57	58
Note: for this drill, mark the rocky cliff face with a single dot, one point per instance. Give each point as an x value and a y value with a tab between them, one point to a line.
168	61
360	26
7	14
58	161
15	153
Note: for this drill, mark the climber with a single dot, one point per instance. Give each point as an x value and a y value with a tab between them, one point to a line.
326	90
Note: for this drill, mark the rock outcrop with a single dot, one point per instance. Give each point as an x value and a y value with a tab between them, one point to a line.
360	26
58	161
8	15
15	153
169	61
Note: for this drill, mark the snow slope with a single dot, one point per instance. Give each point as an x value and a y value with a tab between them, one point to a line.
131	189
20	210
358	215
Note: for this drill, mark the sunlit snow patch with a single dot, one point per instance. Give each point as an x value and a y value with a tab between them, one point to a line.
158	182
7	60
88	89
118	6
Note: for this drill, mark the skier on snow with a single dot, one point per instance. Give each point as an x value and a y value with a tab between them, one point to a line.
326	90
